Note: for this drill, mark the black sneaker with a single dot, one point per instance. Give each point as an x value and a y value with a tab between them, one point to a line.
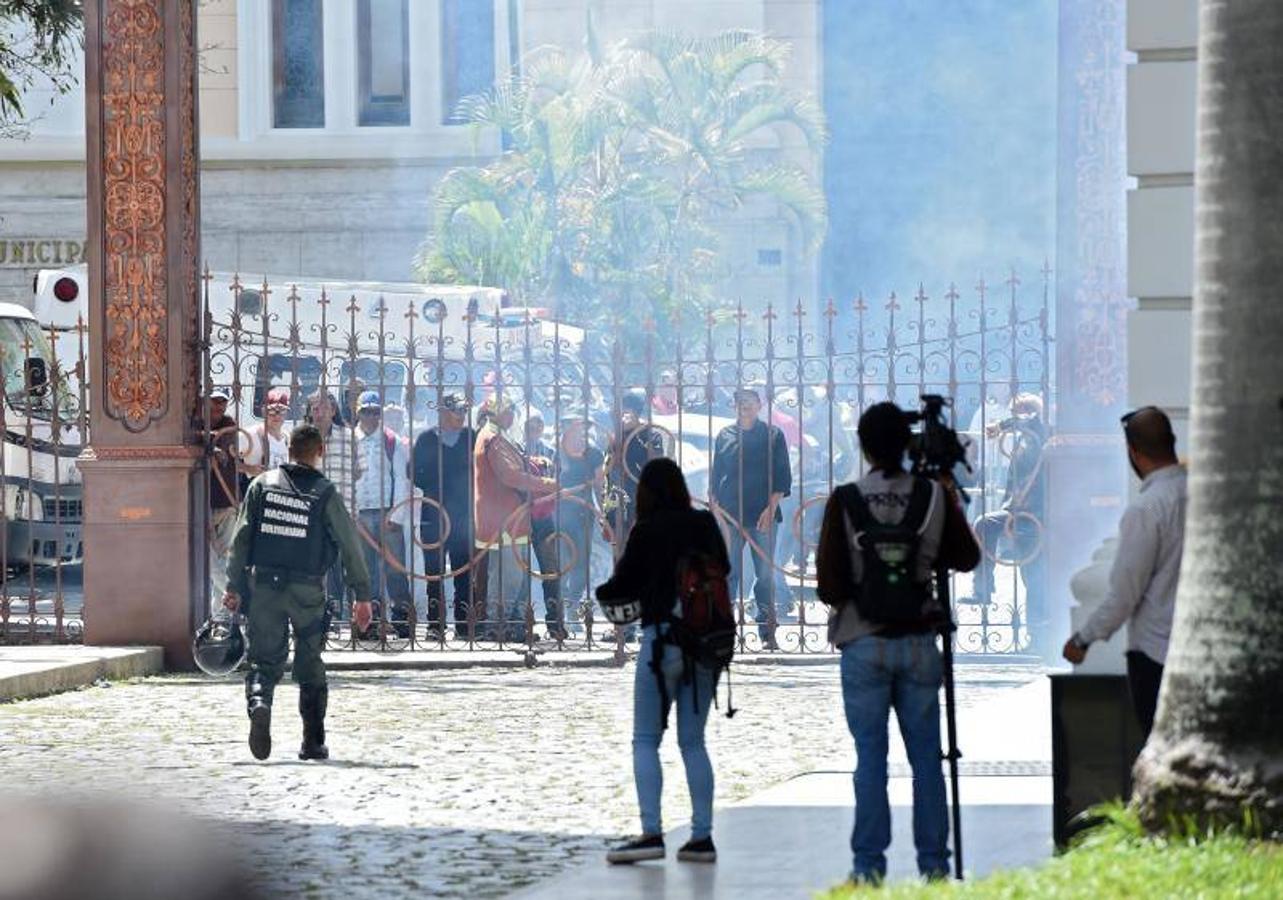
637	850
701	851
260	731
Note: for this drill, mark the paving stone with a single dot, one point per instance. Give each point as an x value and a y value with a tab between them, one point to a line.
453	783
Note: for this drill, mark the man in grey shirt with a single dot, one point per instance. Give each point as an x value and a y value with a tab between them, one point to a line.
1142	583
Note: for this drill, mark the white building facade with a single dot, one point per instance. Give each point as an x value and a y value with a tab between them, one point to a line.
1161	116
326	123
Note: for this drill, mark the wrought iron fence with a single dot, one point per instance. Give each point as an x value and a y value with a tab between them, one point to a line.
44	414
439	360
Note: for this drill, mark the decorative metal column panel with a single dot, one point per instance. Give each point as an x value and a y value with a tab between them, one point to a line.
1091	251
144	210
145	484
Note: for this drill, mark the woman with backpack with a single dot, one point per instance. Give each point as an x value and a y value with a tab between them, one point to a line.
668	534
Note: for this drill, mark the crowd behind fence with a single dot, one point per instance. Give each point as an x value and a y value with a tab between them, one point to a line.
439	359
400	378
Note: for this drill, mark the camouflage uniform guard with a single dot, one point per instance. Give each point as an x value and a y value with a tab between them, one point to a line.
289	531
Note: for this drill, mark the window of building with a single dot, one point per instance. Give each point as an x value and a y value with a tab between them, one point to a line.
383	61
298	64
467	53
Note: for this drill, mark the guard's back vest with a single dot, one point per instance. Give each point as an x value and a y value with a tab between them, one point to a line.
291	529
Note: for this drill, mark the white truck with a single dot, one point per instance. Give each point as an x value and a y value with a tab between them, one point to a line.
43	423
359	337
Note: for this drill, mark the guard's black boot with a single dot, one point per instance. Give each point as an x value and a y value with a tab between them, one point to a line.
259	704
312	701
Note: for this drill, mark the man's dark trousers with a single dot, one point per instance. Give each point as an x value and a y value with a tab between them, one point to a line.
451	556
1144	678
543	537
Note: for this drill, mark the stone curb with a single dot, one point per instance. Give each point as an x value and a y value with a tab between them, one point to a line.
28	672
415	660
407	661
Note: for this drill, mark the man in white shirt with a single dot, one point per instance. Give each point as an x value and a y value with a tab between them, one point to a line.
269	445
382	489
1142	583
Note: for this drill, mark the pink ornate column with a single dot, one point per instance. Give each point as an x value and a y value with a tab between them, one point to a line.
144	475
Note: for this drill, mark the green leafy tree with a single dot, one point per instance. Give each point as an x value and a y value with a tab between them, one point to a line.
38	40
619	167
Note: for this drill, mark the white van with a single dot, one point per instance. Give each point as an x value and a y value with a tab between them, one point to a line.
42	492
299	333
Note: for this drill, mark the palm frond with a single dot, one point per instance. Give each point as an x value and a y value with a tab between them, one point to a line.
763	103
793	189
730	54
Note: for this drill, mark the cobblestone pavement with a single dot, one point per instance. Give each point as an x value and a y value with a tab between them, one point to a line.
452	783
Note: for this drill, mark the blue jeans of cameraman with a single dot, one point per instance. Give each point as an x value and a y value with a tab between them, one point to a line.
878	675
693	699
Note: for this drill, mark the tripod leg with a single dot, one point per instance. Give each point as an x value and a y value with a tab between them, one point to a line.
952	753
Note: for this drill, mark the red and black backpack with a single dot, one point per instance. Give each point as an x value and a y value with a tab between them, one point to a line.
702	622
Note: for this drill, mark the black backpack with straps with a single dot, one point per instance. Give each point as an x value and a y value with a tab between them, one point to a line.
889	592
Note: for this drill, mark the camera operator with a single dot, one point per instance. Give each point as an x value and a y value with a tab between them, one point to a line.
880	541
1021	515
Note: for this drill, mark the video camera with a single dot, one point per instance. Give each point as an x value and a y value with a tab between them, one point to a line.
936	449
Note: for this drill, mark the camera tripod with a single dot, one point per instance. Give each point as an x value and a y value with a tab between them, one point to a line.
951	753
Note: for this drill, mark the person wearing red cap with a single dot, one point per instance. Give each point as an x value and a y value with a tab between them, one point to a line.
271	439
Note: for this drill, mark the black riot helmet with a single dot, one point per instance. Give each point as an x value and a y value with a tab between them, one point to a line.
220	646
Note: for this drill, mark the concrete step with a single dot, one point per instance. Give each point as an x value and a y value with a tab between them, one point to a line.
38	670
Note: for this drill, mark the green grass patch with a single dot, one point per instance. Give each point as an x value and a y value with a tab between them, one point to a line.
1118	860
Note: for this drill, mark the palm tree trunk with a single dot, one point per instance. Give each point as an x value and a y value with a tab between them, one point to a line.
1217	747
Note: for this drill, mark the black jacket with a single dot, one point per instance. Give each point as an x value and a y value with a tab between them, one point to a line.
648	568
749	466
444	474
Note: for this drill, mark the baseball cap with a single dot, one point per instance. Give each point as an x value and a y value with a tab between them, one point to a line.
278	397
369	400
454	403
219	393
633	402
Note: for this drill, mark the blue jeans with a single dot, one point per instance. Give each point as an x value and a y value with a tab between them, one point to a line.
903	673
648	713
388	583
770	594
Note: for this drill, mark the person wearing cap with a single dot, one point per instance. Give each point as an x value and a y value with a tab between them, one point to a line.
636	443
271	439
750	476
224	488
382	493
502	486
442	468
